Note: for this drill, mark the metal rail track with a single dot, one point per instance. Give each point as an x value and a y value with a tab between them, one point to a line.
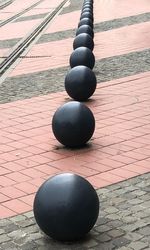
12	18
3	5
14	55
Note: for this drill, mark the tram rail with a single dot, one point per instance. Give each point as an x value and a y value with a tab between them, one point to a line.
26	41
14	17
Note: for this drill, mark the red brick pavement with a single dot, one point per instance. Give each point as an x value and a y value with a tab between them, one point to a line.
15	7
109	43
104	10
119	149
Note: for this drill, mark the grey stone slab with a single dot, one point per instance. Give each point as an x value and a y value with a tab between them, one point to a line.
60	35
4	238
9	43
121	66
103	237
73	6
135	201
116	233
9	246
33	17
121	22
124	248
134	236
121	241
25	223
8	228
2	231
138	245
18	218
145	230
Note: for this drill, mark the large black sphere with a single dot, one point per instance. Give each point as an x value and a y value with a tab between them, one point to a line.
82	56
89	5
87	10
80	83
83	40
86	21
73	124
66	207
86	15
88	2
85	29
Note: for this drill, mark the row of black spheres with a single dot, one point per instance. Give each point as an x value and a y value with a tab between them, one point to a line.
77	126
66	206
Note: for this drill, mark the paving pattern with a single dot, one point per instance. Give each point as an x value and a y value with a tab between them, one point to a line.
116	160
123	223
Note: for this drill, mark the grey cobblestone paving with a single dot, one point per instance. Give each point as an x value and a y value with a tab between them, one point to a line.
73	6
98	27
27	18
118	227
8	43
41	83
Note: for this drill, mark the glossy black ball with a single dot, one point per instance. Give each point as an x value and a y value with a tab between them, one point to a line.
86	21
88	5
88	1
83	40
80	83
73	124
82	56
85	29
87	15
87	10
66	207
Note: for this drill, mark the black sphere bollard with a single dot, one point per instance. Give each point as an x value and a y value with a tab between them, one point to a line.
80	83
83	40
85	29
66	207
88	2
86	21
87	10
73	124
88	5
82	56
87	15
